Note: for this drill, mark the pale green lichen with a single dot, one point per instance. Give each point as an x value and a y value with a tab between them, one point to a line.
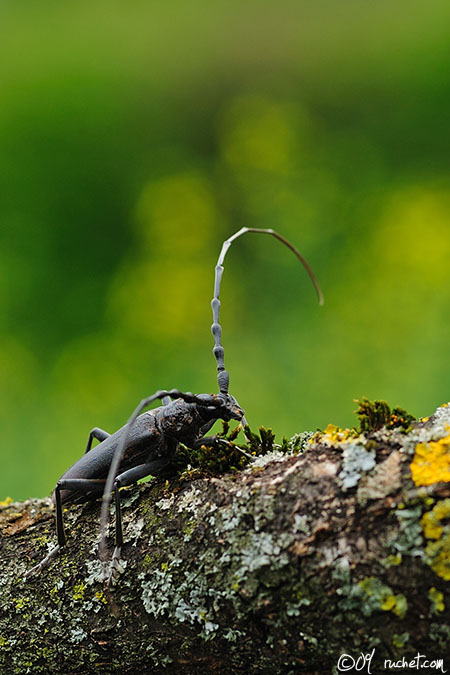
407	538
440	634
356	461
399	640
381	596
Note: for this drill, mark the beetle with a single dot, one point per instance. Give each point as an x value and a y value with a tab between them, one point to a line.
149	440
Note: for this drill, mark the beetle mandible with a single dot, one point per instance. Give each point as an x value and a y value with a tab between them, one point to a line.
149	440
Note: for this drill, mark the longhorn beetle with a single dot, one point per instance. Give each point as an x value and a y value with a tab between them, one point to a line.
149	440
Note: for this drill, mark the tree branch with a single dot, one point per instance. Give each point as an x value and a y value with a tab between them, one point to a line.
341	544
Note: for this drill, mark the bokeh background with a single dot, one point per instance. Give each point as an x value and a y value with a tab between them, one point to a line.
135	137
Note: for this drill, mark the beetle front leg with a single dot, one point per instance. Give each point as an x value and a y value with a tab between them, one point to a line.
214	441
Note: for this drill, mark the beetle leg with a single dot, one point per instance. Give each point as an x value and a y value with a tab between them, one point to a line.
98	434
217	440
122	480
40	566
84	485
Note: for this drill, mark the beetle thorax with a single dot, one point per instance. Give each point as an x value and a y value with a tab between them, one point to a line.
180	420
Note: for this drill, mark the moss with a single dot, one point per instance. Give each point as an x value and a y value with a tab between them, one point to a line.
262	444
374	415
219	457
431	463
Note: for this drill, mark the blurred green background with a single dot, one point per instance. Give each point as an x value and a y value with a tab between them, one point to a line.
136	137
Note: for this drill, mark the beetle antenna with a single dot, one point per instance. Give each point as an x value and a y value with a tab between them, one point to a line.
223	378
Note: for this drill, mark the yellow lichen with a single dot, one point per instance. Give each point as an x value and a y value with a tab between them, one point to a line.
333	435
388	603
78	591
438	557
434	525
431	463
432	520
436	599
100	596
6	501
393	560
383	597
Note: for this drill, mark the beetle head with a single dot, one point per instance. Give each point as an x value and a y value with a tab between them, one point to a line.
226	408
230	409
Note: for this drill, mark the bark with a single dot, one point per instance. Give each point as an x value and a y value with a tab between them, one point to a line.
339	544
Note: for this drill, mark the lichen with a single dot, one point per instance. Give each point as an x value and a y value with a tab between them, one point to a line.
78	591
431	463
21	603
356	461
385	479
392	560
380	596
440	634
333	435
407	538
432	520
436	528
399	640
436	599
438	556
298	443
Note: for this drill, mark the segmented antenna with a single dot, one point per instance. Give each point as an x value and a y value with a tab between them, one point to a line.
223	378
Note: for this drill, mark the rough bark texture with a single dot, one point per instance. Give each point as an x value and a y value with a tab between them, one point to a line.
340	544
